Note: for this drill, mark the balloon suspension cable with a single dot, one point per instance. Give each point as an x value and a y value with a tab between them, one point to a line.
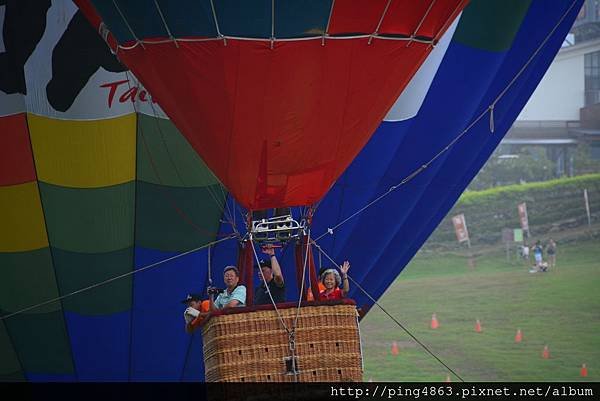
219	34
291	332
489	109
137	40
295	324
390	316
326	32
272	23
113	279
376	33
209	270
164	21
414	34
256	258
214	196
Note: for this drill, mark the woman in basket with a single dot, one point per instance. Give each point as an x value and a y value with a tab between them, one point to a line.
332	281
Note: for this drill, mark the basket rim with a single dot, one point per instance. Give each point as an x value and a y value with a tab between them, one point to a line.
255	308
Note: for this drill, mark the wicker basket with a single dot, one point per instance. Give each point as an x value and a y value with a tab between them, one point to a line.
253	346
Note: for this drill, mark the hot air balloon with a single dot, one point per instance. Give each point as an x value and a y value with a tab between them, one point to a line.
100	194
277	103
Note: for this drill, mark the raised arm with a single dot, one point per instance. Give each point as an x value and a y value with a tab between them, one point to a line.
345	284
277	275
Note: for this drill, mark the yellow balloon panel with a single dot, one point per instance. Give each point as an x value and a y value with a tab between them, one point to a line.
84	154
23	227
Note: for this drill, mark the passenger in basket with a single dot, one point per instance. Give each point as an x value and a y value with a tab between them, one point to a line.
273	279
234	295
332	281
195	308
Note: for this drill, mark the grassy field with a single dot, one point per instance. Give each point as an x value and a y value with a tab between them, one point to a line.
560	309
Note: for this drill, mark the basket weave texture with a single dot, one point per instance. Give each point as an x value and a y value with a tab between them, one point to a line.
253	346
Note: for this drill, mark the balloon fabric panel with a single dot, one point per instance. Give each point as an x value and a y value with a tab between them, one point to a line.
270	139
16	164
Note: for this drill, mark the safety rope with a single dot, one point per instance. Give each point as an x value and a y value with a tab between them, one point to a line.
164	21
392	317
137	40
295	324
251	243
219	34
291	332
326	32
110	280
272	23
489	109
209	268
414	34
376	32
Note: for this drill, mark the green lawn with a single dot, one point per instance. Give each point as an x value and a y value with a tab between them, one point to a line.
560	308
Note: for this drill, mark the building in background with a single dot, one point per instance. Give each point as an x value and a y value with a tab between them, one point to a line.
562	117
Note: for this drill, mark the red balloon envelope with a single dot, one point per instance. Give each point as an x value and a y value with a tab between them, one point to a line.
276	116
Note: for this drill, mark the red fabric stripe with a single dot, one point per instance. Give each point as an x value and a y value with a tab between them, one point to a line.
16	161
277	126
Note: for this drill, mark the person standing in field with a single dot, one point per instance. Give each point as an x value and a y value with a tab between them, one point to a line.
551	252
525	253
538	252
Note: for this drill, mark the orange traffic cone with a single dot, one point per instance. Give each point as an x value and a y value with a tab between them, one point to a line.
434	322
395	348
583	371
518	336
545	352
448	379
478	326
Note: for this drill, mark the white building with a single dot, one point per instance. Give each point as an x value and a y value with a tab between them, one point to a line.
564	110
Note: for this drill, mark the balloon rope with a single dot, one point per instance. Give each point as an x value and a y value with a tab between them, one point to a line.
414	34
110	280
427	41
251	243
137	40
290	332
376	33
489	109
326	32
164	21
214	14
392	317
272	23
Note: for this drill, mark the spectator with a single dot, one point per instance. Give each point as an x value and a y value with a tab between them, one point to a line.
551	252
538	252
